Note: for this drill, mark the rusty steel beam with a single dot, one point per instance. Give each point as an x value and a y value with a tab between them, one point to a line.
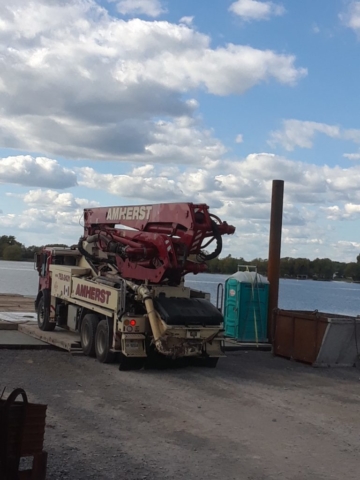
277	201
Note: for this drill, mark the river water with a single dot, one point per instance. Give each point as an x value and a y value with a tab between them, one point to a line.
330	297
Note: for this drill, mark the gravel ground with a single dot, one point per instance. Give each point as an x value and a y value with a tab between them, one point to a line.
254	417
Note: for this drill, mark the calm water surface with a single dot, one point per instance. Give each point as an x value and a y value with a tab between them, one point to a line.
330	297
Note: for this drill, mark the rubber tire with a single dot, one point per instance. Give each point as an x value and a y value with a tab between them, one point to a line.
88	332
44	323
102	343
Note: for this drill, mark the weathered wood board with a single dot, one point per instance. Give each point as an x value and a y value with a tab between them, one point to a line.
8	325
16	303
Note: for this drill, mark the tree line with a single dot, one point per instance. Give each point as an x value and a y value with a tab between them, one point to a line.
11	249
320	268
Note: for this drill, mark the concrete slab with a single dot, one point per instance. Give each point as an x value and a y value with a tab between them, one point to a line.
15	339
18	317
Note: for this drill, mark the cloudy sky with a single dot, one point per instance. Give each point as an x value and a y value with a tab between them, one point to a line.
118	102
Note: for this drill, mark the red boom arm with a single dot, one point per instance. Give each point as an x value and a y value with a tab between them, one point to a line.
158	240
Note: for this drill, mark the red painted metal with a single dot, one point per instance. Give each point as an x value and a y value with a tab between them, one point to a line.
43	262
154	242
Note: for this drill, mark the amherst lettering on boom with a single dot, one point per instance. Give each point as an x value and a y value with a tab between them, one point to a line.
94	293
129	213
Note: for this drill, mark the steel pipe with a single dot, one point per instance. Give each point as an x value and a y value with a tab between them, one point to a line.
277	200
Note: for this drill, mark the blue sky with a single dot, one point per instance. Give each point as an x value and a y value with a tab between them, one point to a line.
146	101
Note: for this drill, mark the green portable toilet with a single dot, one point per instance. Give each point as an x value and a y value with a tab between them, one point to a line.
245	307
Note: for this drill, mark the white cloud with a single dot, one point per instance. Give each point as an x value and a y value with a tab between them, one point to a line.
316	199
79	83
298	133
143	170
352	156
138	185
332	212
238	188
151	8
181	142
352	209
352	134
186	20
35	172
256	10
51	198
351	17
49	216
348	211
239	138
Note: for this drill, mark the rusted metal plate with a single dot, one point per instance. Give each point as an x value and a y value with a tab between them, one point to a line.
299	335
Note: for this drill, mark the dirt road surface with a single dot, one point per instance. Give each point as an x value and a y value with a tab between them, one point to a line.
254	417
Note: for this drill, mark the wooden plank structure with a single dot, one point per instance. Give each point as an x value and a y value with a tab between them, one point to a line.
16	303
60	338
22	429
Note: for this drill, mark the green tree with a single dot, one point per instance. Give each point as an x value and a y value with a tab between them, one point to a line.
12	252
6	241
352	270
29	252
260	264
323	267
301	266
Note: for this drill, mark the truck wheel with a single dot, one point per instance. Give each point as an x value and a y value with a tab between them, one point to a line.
43	315
87	333
102	343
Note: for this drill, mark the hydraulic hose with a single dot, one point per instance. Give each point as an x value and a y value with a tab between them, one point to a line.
217	236
82	250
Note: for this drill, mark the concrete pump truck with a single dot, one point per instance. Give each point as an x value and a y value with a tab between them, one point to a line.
122	286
